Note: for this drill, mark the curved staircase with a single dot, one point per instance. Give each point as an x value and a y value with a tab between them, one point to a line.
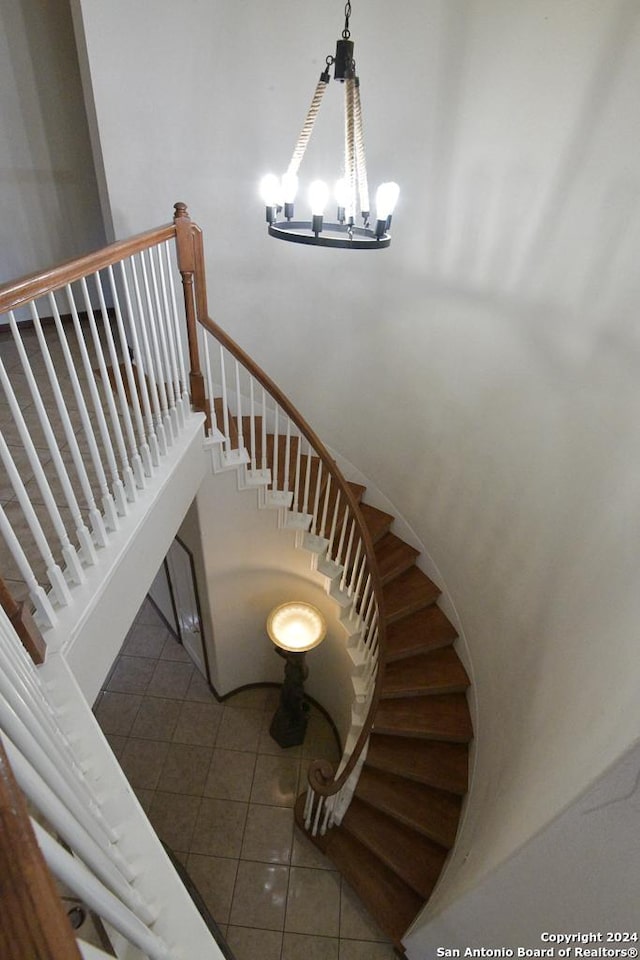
394	839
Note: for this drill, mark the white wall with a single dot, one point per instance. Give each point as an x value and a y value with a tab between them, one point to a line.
483	371
48	195
160	593
579	875
250	565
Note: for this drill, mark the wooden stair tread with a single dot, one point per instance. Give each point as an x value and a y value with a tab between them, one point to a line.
377	521
426	629
439	717
439	671
394	556
415	858
389	900
442	765
407	593
433	813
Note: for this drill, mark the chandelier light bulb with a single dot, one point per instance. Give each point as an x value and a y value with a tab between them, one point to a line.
270	190
318	196
386	198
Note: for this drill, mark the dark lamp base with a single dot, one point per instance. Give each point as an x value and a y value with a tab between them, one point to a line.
289	723
289	731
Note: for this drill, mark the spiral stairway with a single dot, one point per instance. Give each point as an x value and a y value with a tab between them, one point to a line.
395	837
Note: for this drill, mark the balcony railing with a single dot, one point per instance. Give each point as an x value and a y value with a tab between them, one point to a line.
99	388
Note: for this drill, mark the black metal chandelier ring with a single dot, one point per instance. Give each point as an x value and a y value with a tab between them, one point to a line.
353	238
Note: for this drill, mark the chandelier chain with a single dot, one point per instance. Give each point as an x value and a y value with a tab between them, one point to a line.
346	33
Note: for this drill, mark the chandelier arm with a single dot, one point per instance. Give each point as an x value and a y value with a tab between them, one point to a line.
350	145
307	128
361	163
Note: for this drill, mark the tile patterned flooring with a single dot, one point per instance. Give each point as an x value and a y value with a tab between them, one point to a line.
220	792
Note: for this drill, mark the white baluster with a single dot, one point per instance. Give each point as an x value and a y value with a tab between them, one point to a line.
97	521
328	810
334	525
343	533
170	336
110	866
44	609
355	569
134	474
117	486
157	360
252	425
347	559
307	480
308	807
239	408
276	450
138	384
71	791
178	326
21	687
208	378
322	532
76	876
69	554
54	573
287	456
225	405
147	365
124	487
316	819
316	503
140	451
264	430
296	481
87	549
162	345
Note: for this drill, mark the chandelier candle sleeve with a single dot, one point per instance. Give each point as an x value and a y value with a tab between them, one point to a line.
352	190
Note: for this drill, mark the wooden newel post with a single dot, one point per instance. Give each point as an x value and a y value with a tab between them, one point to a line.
33	922
188	267
24	625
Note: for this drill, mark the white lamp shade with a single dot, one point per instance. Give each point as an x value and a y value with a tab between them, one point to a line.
296	626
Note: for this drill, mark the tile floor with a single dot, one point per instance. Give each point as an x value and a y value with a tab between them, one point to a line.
220	792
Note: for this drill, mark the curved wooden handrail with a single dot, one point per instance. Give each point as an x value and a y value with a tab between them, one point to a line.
19	292
321	773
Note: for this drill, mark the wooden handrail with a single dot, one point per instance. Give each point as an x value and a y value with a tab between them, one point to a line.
24	624
19	292
321	774
33	923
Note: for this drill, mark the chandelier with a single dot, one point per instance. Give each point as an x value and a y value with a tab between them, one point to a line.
351	190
